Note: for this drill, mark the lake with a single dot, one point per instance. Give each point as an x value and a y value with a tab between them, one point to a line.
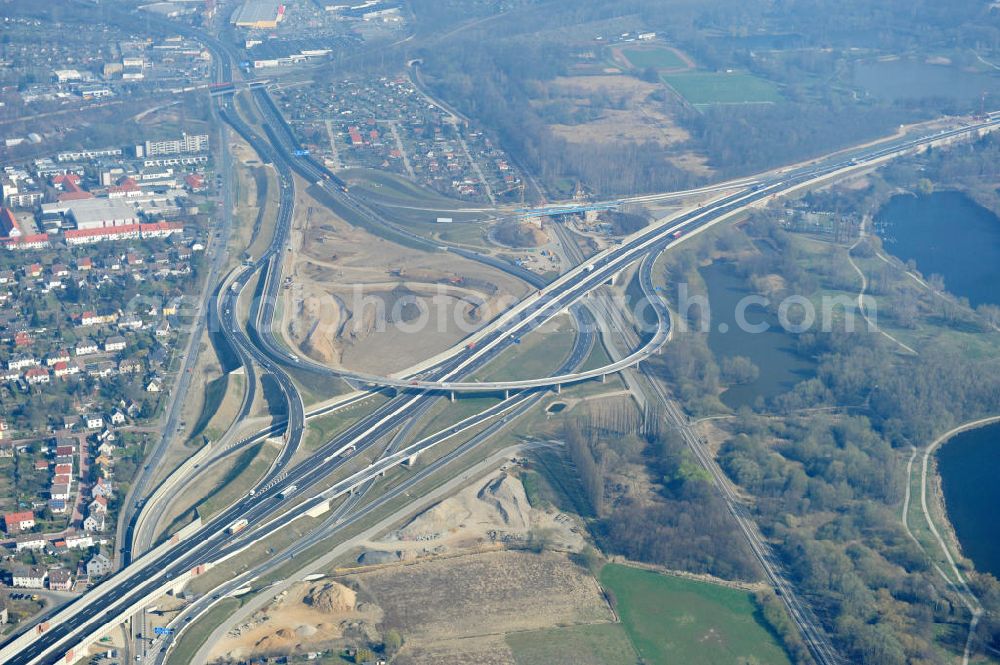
772	351
967	464
898	80
949	234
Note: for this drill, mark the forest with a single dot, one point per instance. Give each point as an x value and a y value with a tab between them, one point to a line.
500	73
824	461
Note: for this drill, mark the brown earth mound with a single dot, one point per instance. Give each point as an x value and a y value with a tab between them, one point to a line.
332	598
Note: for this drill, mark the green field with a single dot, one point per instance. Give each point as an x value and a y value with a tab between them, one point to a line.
705	88
658	58
539	354
597	644
675	620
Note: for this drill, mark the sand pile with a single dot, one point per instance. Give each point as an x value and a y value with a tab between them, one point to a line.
506	495
332	598
499	504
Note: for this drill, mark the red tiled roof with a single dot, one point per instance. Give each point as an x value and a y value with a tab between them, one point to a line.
109	231
13	518
65	179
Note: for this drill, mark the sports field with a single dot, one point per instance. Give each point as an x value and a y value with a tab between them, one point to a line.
676	620
706	88
658	58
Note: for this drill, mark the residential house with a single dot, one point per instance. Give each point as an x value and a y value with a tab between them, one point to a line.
61	491
56	358
60	579
58	506
64	469
20	362
18	522
94	421
130	366
99	506
64	369
117	418
30	542
103	488
79	541
37	375
114	344
94	523
28	577
105	463
86	348
152	387
98	566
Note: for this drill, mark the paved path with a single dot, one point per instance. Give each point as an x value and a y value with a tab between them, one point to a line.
966	595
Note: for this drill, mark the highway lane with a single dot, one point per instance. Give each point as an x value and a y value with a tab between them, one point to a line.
183	555
345	515
614	260
457	365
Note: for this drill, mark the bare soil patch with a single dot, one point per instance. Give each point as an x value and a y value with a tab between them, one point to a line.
308	617
482	594
491	510
358	301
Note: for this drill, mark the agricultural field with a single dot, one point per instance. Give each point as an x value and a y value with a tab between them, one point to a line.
676	620
656	57
707	88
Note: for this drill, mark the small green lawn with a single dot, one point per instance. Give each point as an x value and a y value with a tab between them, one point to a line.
705	88
596	644
657	57
676	620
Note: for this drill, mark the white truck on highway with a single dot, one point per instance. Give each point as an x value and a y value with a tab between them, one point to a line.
237	526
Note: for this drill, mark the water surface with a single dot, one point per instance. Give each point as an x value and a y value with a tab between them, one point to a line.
949	234
772	351
967	464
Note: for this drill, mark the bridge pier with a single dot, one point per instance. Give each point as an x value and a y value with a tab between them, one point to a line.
604	378
506	394
411	460
451	395
558	389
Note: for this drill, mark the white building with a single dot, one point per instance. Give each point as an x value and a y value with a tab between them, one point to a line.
98	566
187	143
